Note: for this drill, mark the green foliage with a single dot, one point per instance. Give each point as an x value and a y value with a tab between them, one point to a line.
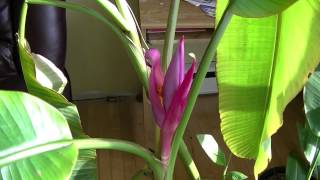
33	135
235	175
316	172
309	135
259	8
210	146
262	65
308	142
86	166
312	101
124	9
111	10
48	75
51	96
216	155
295	169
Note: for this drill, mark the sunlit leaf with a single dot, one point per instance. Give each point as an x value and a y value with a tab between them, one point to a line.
235	175
295	170
33	139
210	146
69	110
48	75
262	64
112	12
259	8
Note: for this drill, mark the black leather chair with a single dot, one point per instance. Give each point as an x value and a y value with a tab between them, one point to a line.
46	33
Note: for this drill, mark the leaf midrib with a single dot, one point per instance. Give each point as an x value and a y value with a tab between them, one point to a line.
34	150
271	75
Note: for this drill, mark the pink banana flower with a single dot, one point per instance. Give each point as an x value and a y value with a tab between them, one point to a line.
168	94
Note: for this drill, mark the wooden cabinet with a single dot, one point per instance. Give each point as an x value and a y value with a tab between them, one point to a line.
154	14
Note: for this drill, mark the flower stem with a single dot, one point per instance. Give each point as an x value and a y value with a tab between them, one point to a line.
124	146
157	142
196	86
171	30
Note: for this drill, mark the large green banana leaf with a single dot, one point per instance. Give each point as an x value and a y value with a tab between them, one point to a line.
34	139
36	86
262	65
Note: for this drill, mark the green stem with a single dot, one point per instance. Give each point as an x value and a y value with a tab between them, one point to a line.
195	88
112	11
80	8
137	58
91	143
22	23
188	162
171	30
124	146
226	168
157	142
314	163
123	7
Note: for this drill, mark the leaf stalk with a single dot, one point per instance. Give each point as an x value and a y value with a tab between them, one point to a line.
196	86
171	31
124	146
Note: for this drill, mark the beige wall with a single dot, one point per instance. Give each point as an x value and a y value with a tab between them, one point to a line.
97	64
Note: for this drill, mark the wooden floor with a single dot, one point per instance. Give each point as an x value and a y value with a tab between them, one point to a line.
123	118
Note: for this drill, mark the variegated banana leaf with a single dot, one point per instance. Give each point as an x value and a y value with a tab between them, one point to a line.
38	86
35	139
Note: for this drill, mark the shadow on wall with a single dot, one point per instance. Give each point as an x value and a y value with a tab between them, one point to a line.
97	64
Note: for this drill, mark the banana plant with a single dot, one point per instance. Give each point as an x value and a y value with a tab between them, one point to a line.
254	77
262	65
46	81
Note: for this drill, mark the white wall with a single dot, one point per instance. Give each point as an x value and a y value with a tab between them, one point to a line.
97	64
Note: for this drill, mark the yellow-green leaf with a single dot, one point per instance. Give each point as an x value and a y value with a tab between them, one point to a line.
262	65
259	8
